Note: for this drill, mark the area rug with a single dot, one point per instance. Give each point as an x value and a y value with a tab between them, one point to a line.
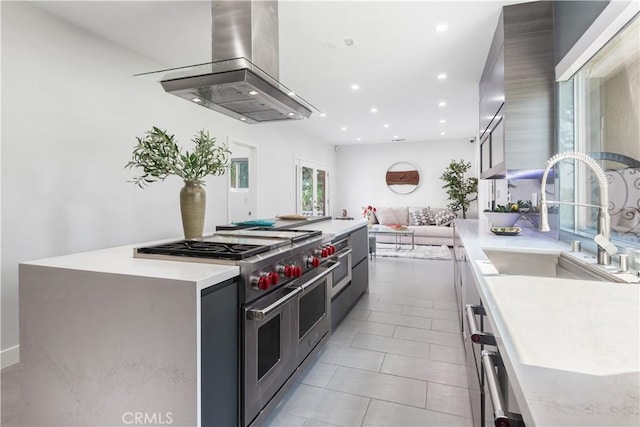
420	252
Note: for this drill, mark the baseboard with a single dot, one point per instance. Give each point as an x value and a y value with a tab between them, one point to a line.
10	356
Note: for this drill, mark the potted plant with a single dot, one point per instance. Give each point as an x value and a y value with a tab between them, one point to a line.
158	155
460	190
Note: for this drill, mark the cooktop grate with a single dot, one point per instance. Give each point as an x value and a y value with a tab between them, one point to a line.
204	249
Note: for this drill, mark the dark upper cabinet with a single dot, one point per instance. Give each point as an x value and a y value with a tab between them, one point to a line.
516	92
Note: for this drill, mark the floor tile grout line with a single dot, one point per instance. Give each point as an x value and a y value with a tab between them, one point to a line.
448	332
384	400
425	409
382	364
366	411
449	385
352	367
416	357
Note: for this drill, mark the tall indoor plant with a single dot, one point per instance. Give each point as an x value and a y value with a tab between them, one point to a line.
461	191
158	155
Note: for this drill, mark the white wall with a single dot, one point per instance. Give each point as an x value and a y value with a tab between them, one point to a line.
361	169
70	113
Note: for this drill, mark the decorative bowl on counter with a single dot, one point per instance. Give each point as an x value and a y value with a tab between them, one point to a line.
503	219
506	231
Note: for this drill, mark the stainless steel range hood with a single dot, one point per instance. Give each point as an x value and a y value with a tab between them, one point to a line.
242	81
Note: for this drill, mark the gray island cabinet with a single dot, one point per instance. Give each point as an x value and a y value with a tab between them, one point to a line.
108	339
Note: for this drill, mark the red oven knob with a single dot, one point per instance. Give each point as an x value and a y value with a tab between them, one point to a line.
262	282
313	261
324	252
287	270
332	249
273	278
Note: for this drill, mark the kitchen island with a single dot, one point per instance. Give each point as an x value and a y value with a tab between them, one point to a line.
571	348
108	339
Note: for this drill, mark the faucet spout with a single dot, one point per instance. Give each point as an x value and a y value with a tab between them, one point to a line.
605	247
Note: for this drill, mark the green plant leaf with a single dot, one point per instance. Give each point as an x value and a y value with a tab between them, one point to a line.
461	192
159	156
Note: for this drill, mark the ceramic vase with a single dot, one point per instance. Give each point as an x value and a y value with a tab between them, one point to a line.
193	200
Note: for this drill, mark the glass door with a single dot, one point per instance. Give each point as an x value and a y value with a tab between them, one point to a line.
313	185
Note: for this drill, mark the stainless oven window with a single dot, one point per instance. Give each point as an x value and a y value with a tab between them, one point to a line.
313	307
268	346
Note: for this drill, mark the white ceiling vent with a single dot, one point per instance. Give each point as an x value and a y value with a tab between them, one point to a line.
339	43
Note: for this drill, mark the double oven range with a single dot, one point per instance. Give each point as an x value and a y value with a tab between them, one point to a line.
284	303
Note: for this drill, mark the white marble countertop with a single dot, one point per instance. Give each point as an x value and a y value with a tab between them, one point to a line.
336	227
120	260
571	348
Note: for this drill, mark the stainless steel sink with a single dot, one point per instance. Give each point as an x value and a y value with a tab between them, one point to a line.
547	264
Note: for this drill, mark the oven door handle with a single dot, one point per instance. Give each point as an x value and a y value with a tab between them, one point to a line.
501	417
265	312
341	254
477	336
327	268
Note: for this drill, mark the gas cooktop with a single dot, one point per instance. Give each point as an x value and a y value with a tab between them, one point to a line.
205	249
232	245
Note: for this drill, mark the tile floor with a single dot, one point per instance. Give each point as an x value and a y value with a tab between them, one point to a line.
396	359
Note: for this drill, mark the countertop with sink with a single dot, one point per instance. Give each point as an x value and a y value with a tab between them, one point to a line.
571	348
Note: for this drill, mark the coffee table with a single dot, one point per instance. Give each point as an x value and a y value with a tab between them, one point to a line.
397	232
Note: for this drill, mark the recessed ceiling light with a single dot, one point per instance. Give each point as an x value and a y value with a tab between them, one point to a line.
197	100
395	136
442	133
386	125
442	76
355	87
358	139
442	104
323	114
291	114
374	110
253	92
292	93
442	27
343	128
244	119
443	121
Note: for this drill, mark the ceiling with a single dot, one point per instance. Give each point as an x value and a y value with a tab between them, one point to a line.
395	58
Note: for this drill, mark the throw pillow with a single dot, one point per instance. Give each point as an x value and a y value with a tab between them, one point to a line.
445	217
402	215
422	216
386	216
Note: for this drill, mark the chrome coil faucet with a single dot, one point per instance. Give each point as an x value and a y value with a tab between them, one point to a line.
605	247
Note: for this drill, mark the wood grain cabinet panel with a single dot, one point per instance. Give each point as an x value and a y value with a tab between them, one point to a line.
520	68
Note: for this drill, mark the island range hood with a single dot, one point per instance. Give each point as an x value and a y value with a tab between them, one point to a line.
242	80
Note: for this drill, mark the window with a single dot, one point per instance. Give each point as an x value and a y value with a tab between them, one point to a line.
313	184
599	114
239	171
